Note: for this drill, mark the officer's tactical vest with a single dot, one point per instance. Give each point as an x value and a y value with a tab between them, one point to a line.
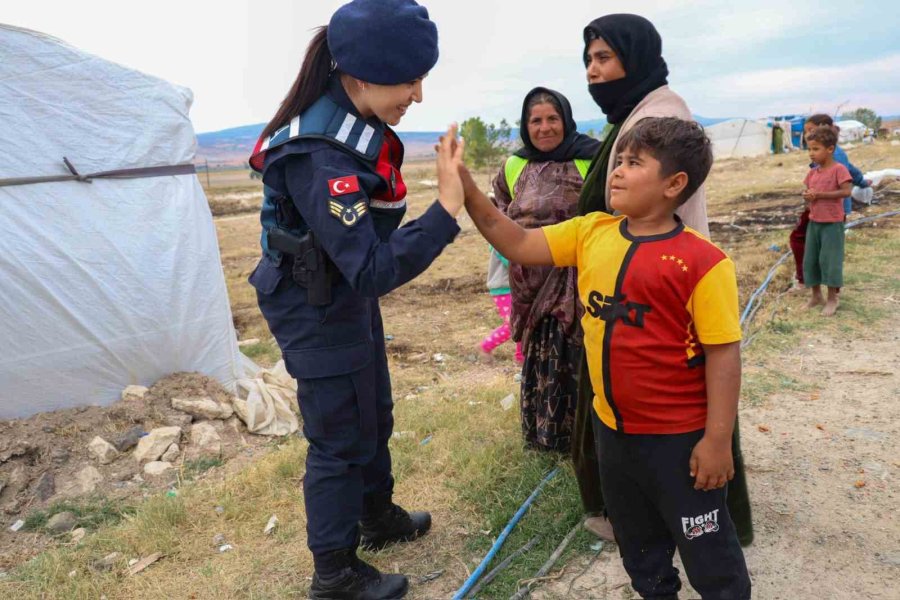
516	164
324	120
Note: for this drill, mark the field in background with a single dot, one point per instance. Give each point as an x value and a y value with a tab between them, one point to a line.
456	451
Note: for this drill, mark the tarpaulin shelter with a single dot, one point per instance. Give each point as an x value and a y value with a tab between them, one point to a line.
738	138
110	272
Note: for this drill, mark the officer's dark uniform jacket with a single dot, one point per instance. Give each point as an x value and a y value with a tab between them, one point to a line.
340	176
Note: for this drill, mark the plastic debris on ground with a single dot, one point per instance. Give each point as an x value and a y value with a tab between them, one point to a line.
270	526
426	440
430	576
507	403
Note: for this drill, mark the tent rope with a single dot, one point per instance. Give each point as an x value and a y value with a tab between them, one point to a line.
738	140
131	173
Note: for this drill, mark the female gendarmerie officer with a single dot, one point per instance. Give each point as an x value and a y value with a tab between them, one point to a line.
334	199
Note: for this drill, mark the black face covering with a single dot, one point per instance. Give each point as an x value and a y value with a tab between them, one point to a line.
638	46
574	145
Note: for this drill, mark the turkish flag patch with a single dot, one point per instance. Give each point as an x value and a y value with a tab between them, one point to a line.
343	185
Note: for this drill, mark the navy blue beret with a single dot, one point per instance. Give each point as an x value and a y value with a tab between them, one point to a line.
383	41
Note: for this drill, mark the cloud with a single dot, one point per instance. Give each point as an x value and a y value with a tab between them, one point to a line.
240	58
873	83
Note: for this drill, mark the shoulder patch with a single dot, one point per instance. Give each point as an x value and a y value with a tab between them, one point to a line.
343	185
347	215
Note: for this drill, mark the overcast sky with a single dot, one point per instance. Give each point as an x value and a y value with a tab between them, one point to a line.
726	58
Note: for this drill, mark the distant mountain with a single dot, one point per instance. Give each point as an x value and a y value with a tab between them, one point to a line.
228	147
232	147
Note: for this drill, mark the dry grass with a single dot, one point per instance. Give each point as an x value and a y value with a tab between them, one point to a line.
473	473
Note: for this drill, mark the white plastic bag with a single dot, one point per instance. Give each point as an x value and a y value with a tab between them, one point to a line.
863	195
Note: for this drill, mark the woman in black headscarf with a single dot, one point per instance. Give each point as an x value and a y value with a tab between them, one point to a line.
539	185
627	78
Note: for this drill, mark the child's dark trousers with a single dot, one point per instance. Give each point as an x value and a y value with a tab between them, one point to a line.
654	508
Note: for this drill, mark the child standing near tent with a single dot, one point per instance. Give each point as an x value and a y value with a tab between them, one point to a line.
647	280
827	184
798	235
498	287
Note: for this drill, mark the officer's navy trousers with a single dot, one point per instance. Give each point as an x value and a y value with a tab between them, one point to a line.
348	421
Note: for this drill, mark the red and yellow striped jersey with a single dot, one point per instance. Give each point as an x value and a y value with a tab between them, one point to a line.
650	303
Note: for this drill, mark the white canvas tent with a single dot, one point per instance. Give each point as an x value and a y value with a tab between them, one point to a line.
738	138
851	131
112	282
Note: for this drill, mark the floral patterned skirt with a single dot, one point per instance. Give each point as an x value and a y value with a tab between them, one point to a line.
549	387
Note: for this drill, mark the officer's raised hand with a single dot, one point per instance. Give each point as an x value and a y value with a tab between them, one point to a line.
449	158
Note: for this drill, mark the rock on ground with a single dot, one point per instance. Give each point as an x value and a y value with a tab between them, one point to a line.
134	392
205	441
203	407
157	468
129	439
61	522
107	562
171	455
152	446
85	482
78	534
103	450
45	486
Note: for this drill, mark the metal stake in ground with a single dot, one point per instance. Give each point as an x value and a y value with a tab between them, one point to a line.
505	563
461	592
545	568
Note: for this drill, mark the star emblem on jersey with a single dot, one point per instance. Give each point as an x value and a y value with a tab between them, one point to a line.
343	185
678	261
348	215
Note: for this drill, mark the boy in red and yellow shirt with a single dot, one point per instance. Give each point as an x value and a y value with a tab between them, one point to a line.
662	336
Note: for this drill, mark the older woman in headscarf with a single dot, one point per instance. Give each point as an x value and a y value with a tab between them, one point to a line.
539	185
627	78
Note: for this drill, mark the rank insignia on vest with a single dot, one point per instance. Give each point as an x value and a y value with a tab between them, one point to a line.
348	215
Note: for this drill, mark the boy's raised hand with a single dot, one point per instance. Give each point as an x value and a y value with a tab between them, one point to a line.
449	158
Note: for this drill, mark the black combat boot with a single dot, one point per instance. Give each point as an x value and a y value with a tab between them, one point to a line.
349	578
385	523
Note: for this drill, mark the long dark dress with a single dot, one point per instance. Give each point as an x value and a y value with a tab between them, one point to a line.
545	306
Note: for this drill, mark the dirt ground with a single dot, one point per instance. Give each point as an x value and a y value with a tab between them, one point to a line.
823	469
41	457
